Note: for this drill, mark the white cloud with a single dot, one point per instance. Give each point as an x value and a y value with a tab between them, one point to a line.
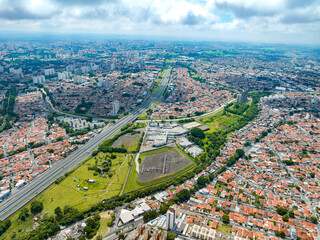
281	20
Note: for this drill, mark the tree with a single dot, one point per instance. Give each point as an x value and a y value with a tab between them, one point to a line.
240	152
121	235
291	214
202	181
280	234
89	119
58	211
24	213
314	220
197	133
171	236
285	218
282	211
36	207
183	195
225	218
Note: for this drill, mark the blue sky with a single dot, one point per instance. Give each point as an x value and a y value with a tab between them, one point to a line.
284	21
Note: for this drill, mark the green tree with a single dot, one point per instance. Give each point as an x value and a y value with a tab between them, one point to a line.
183	195
225	218
314	220
197	132
202	181
171	236
282	211
24	213
58	211
36	207
285	218
280	234
291	213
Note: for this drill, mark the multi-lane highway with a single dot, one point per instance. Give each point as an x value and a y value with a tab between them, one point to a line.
23	196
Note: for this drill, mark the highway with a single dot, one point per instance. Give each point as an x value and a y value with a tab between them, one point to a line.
41	182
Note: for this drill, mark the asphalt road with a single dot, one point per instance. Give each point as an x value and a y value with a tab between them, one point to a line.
40	183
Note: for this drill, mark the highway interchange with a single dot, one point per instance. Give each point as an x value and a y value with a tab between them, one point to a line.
40	183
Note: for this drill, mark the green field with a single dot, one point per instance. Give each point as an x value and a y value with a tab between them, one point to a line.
68	193
219	120
133	183
225	228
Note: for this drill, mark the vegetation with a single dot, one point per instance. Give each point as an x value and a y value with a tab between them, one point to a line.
225	218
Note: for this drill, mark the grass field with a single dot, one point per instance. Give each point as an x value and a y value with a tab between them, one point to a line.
219	120
68	193
225	228
103	229
133	183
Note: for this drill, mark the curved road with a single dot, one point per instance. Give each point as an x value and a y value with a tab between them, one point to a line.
40	183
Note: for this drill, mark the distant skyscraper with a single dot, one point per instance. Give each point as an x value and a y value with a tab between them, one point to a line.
49	71
171	218
39	79
115	107
243	97
103	82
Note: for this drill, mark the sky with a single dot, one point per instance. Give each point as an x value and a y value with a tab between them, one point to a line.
270	21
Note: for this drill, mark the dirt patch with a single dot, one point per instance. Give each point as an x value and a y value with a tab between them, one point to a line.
105	214
127	140
161	164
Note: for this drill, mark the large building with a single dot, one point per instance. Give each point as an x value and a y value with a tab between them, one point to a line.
103	82
115	107
171	218
49	72
243	97
39	79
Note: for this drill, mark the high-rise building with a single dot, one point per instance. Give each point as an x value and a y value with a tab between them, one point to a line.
49	71
16	72
70	68
115	107
103	82
78	79
243	97
39	79
171	218
64	75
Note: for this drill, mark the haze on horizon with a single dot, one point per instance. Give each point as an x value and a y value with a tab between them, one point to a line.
273	21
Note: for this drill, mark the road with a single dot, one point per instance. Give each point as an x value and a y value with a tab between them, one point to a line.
57	170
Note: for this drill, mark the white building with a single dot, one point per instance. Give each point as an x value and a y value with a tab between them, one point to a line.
49	71
17	72
64	75
171	218
39	79
115	107
85	69
102	82
70	68
78	79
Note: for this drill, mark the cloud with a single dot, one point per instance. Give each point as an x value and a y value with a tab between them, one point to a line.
251	19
